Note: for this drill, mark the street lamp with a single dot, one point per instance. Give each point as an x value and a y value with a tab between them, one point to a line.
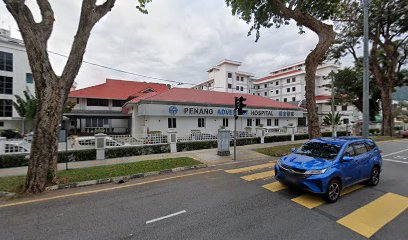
366	84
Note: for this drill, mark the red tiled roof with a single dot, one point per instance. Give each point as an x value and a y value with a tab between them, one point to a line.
187	95
277	75
322	97
117	89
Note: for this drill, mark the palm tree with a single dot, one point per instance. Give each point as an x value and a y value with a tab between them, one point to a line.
26	107
329	119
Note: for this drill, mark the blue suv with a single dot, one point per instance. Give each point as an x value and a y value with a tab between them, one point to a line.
327	165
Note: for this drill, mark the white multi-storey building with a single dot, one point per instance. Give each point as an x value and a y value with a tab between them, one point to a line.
226	77
15	77
287	84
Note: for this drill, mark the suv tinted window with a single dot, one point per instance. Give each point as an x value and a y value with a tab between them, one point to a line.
370	146
359	148
349	152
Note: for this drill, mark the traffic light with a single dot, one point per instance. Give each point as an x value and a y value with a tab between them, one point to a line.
239	105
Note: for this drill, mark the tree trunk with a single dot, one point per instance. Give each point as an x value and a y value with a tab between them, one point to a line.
386	102
42	168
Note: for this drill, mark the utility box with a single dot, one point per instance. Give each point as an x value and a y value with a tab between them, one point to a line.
100	145
223	140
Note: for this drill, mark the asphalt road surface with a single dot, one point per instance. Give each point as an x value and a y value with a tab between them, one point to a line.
220	202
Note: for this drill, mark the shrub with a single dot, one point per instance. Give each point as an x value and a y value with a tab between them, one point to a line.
136	150
79	155
301	136
278	138
246	141
14	160
9	133
189	146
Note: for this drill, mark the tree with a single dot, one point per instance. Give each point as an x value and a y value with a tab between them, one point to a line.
52	90
348	89
329	119
308	13
389	46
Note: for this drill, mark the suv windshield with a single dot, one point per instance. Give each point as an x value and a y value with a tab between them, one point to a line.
319	150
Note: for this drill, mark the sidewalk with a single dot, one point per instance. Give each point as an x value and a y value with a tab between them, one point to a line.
207	156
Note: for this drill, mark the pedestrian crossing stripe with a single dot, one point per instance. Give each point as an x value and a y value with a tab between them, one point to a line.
251	168
261	175
313	200
370	218
275	186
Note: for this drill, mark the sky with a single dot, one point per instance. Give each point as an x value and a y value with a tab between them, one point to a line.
177	40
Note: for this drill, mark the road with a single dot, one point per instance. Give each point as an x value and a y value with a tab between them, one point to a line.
219	202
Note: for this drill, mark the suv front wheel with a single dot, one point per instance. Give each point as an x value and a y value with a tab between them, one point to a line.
333	191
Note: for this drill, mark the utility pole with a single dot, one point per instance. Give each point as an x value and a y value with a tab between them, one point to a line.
332	103
366	84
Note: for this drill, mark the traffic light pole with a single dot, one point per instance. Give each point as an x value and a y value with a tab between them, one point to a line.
235	136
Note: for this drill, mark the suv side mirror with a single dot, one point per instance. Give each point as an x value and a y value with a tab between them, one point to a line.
293	149
347	159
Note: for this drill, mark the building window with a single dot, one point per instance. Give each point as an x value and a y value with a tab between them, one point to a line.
259	94
257	87
1	124
77	100
171	123
302	121
288	80
277	99
266	85
242	89
229	85
201	122
229	75
277	91
285	99
249	122
293	99
237	78
346	121
242	79
276	122
97	102
344	108
118	103
335	108
6	85
95	122
257	122
277	83
29	78
225	122
287	89
293	79
265	93
6	108
293	89
268	122
237	88
6	61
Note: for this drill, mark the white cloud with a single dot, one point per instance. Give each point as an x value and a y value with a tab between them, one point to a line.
177	40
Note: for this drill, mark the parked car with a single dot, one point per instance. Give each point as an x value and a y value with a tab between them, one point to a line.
327	165
404	133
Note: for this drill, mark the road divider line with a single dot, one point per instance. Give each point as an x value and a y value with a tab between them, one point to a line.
251	168
275	186
370	218
104	189
261	175
386	155
392	160
167	216
311	201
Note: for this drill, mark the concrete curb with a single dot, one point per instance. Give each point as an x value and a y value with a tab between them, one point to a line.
121	179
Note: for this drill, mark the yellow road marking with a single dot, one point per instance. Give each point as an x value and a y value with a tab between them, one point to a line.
368	219
251	168
257	176
275	186
104	190
313	200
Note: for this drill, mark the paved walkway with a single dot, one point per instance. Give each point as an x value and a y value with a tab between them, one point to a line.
208	156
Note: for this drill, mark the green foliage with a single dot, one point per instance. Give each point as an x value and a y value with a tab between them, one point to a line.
136	151
190	146
27	106
329	119
279	138
142	6
9	133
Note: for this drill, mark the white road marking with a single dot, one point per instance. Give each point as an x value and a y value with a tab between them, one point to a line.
164	217
386	155
391	160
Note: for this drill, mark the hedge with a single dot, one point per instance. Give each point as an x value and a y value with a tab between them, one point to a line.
277	138
190	146
20	160
136	151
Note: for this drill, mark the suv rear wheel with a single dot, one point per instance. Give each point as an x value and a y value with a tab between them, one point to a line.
333	191
374	177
